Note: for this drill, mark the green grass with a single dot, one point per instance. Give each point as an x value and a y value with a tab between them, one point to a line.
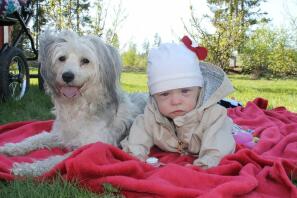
37	106
59	188
278	92
34	106
134	82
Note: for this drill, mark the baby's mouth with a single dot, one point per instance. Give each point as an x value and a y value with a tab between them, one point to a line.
178	113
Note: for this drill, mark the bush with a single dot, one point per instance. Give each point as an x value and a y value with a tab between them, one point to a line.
268	52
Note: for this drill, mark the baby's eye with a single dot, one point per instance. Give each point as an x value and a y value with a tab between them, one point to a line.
185	90
164	94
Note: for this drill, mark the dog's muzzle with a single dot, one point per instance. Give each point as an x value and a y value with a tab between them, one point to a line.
70	91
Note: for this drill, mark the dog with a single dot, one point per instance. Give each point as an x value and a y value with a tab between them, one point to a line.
82	76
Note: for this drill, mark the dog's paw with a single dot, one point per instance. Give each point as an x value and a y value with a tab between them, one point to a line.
37	168
11	149
23	169
28	169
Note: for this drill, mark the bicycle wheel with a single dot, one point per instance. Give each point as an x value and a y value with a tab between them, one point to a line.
14	74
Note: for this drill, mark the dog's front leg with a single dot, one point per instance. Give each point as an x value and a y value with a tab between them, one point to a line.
37	168
39	141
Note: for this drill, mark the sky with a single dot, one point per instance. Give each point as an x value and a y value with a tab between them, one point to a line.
145	18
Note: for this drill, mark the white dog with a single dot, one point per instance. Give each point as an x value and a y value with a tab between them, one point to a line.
82	76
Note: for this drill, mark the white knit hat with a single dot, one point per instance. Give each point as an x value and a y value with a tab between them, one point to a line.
172	66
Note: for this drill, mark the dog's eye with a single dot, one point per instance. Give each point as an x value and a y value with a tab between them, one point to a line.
85	61
62	58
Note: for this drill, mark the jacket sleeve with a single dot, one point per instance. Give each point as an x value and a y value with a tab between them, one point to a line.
139	141
217	139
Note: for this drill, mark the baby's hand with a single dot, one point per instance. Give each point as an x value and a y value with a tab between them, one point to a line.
139	157
192	166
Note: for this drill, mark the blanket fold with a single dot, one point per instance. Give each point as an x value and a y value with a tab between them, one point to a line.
269	169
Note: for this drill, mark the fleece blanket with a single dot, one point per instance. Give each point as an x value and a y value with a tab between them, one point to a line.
269	169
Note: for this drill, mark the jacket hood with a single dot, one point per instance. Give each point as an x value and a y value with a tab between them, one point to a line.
216	85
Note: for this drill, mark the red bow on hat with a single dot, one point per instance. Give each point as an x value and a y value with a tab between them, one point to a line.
201	52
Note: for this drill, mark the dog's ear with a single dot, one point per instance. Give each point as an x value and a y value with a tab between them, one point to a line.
113	62
49	39
46	39
110	68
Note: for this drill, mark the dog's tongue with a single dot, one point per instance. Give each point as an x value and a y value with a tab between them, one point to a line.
70	92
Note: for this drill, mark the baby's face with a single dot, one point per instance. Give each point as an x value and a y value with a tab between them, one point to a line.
177	102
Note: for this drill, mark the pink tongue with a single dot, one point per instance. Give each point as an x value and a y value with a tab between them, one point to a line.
69	91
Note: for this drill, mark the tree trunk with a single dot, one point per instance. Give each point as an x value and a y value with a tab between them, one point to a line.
77	15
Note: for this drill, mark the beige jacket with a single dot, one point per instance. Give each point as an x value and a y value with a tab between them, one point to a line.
204	131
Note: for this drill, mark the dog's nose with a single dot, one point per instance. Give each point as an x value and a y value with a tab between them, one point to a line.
68	77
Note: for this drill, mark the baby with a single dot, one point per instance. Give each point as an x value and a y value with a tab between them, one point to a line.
182	114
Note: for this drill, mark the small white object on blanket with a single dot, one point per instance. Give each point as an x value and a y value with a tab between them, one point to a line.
153	161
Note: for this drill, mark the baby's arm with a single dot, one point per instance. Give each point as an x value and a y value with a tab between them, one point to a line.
217	140
139	141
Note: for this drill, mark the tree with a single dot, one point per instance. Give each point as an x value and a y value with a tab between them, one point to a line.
99	20
283	58
129	57
112	38
65	14
132	60
108	29
292	25
80	14
146	47
268	51
54	12
231	20
75	15
255	54
157	40
248	11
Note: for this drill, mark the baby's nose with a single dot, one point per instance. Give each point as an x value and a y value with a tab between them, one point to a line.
176	99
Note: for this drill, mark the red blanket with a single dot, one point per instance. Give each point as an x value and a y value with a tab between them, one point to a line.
267	170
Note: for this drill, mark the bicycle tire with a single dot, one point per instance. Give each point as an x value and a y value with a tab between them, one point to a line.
14	74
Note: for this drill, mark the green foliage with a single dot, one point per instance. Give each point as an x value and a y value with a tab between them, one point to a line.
267	51
283	58
248	10
228	36
256	51
231	20
133	60
129	57
113	39
76	15
66	14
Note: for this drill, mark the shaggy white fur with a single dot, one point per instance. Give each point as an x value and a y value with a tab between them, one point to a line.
81	74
